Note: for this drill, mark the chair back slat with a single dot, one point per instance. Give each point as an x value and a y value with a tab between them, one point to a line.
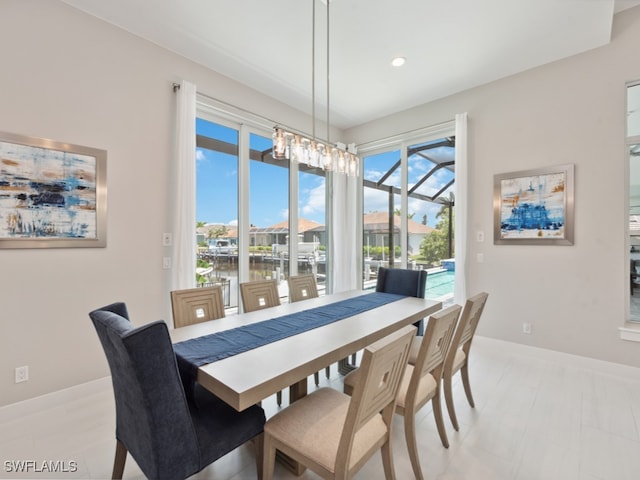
382	368
466	327
302	287
259	294
195	305
437	340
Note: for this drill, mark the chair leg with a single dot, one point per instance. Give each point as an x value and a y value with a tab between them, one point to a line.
448	397
279	397
412	446
327	372
387	461
464	373
119	461
316	378
437	413
258	443
268	458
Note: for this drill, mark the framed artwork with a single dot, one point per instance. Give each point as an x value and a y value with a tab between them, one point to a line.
52	194
534	207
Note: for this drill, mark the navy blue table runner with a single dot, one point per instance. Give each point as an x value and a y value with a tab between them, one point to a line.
196	352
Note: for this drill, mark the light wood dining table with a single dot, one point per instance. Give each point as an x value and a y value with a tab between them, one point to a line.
247	378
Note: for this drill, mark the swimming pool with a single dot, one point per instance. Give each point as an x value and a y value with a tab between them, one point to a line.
439	284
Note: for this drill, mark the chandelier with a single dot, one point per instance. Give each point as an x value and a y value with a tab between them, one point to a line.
300	148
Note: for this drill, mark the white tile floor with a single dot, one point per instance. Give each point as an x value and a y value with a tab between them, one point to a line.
539	415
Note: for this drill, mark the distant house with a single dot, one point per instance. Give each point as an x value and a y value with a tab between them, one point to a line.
206	233
278	234
376	231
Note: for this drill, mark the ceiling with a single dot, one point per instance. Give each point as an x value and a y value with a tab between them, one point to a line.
450	46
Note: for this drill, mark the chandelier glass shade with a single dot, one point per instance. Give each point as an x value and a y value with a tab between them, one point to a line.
299	148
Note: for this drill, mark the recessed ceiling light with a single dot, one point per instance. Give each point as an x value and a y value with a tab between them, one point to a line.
398	61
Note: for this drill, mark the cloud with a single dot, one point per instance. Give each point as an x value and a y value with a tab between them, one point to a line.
313	200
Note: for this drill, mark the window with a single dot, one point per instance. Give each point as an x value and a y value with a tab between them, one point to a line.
243	224
408	208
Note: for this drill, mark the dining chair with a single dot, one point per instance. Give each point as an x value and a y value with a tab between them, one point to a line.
458	355
195	305
403	281
334	434
303	287
421	381
258	295
168	433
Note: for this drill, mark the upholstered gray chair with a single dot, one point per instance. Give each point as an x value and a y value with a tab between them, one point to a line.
401	281
168	433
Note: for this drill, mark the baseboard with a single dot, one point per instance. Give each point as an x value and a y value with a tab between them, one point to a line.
577	361
53	399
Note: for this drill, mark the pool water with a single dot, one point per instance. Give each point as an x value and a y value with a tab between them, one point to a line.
439	284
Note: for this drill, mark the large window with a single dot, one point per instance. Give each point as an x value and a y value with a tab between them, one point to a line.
250	226
217	208
408	211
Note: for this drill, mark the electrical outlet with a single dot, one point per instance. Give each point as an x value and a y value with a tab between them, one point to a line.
22	374
166	263
526	328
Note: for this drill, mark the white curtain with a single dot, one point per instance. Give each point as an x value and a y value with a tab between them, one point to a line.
344	274
184	203
461	221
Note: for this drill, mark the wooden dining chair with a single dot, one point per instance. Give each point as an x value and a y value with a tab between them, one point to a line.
259	294
303	287
334	434
168	433
421	381
458	355
195	305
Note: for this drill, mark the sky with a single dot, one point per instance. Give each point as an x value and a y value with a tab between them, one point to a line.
217	189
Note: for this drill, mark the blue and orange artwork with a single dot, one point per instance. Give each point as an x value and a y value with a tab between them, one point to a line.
46	193
533	206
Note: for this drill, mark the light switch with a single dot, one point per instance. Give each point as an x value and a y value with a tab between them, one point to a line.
480	257
479	236
167	239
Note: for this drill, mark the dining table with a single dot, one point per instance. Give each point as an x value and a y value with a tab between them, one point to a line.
245	358
250	374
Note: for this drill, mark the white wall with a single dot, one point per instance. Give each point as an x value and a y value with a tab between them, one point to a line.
571	111
72	78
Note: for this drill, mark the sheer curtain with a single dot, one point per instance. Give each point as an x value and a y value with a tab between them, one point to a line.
184	204
345	271
462	211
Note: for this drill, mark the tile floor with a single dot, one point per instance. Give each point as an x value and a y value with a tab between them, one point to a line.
539	415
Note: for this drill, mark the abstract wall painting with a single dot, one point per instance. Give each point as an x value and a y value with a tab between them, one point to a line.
534	207
52	194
